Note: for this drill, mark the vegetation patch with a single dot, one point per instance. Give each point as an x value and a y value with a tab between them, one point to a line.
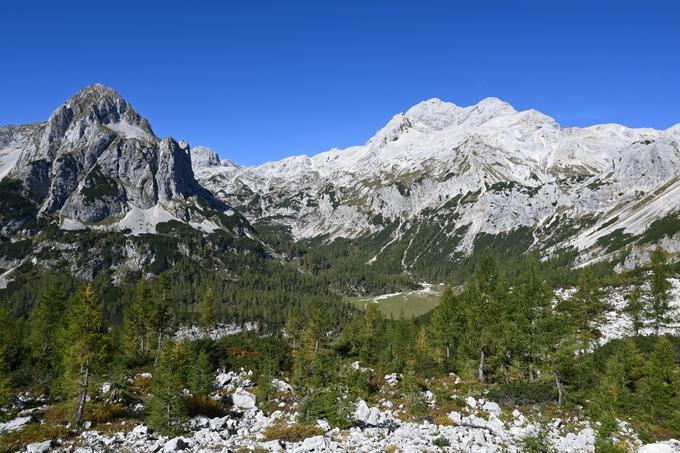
292	433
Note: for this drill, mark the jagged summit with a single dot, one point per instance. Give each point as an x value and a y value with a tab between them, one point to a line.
98	104
202	156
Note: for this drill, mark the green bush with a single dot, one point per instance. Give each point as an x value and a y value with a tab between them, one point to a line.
292	433
17	440
328	404
441	442
523	393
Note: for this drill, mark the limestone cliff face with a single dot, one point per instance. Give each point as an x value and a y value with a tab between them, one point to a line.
97	159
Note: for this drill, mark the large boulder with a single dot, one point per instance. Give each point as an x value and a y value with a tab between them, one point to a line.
669	446
243	399
175	444
39	447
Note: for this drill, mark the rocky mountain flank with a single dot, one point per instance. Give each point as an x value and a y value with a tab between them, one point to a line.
452	179
97	162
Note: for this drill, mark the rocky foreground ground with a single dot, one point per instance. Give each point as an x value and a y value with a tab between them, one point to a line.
479	426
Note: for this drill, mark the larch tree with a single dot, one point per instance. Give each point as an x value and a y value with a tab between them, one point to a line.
44	322
660	385
635	309
137	319
206	311
87	347
659	309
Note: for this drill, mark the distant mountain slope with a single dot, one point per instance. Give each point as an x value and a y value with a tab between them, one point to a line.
440	181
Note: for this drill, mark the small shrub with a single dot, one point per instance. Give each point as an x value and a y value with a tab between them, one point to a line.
391	448
536	444
329	405
603	445
292	433
57	414
524	393
203	405
142	385
100	413
441	442
443	420
17	440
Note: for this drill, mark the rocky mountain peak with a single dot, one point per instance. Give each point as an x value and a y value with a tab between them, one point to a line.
95	106
202	156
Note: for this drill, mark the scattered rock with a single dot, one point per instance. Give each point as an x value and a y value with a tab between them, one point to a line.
281	386
243	399
391	379
175	444
39	447
669	446
14	424
492	408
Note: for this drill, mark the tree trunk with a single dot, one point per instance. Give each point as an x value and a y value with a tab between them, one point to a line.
558	385
316	348
480	370
448	353
506	375
83	395
160	346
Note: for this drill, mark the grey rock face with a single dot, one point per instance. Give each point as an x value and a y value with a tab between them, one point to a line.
96	158
204	157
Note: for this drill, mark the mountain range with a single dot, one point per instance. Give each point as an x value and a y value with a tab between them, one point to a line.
431	189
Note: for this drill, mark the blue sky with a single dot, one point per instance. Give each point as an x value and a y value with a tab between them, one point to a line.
264	80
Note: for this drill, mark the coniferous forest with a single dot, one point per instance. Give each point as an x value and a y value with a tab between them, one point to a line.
108	357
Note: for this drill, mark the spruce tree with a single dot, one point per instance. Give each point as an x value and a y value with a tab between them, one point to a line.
587	307
161	316
482	303
87	349
200	379
532	328
265	388
447	327
293	328
137	318
6	334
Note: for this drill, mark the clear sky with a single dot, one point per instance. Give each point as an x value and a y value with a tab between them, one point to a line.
259	81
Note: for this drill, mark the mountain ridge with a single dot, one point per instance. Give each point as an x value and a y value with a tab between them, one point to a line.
440	148
435	185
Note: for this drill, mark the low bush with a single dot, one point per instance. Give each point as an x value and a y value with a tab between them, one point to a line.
292	433
99	413
203	405
524	393
17	440
441	442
